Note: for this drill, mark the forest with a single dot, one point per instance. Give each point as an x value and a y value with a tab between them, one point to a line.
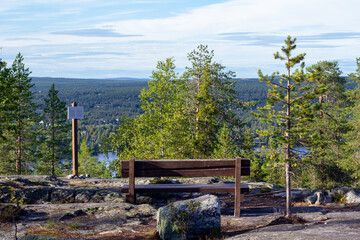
299	123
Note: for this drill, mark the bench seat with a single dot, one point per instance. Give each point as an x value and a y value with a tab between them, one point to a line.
202	188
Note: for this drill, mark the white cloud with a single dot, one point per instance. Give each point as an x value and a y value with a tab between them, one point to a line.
262	17
275	16
265	22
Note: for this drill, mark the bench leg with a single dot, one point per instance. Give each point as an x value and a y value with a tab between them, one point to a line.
237	187
131	197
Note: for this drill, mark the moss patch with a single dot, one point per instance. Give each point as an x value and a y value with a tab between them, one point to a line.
9	213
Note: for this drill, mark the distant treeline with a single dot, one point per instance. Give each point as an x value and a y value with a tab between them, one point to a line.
104	101
107	101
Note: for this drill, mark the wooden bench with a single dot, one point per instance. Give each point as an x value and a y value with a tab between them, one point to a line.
186	168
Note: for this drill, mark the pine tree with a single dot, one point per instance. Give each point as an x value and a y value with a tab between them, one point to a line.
326	145
352	163
288	109
56	136
4	96
7	165
20	119
164	122
211	97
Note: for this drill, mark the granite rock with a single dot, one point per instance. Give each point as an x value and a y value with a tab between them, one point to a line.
194	218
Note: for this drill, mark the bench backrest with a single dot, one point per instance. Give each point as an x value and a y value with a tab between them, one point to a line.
185	168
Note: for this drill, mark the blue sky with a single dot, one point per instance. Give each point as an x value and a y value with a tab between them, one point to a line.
123	38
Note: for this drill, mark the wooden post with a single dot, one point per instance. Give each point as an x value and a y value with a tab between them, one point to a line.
131	197
237	187
75	143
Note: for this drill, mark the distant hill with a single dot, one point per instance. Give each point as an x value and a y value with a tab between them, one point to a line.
103	100
129	79
106	100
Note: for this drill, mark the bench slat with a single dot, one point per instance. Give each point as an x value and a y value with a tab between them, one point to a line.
205	172
184	163
202	188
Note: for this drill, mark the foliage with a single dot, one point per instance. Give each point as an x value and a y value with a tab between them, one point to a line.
73	225
225	146
161	131
105	101
18	200
91	165
164	126
4	96
326	145
340	198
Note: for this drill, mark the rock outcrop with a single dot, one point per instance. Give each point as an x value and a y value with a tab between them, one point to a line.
49	189
188	219
352	197
336	195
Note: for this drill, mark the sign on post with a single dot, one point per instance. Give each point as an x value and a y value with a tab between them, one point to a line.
75	112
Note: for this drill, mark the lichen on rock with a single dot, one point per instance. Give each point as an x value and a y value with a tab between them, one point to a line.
192	218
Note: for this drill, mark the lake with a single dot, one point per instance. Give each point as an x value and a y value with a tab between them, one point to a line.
111	156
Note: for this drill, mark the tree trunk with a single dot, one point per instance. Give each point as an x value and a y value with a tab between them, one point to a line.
53	147
287	149
288	189
19	153
18	159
